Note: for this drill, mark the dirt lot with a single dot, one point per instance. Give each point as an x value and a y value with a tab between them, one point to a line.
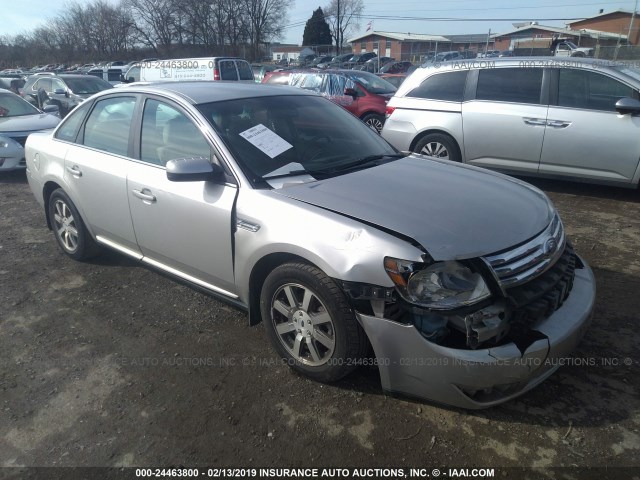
111	364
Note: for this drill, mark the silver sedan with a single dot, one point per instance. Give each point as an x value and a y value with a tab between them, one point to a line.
460	280
18	118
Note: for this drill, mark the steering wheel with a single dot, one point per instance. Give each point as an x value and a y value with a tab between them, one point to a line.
315	147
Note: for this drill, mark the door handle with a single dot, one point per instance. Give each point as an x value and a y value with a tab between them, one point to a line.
558	124
144	194
75	171
535	121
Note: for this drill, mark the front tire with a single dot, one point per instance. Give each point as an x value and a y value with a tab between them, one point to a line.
71	234
439	146
310	323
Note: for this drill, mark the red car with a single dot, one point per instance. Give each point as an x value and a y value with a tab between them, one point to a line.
363	94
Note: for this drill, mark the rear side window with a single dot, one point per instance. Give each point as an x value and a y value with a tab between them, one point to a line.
244	70
70	125
590	90
109	124
442	86
517	85
228	70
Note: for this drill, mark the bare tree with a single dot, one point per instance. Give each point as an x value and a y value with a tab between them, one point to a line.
155	22
342	16
266	19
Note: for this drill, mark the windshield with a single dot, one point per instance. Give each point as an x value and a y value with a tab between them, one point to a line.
13	106
281	136
87	85
571	44
630	71
373	83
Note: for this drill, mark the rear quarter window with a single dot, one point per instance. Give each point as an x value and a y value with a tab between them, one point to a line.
442	86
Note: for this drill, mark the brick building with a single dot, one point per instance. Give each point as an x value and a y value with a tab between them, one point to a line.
622	22
536	36
411	47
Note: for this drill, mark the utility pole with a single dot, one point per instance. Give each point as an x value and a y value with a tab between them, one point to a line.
633	16
486	47
338	45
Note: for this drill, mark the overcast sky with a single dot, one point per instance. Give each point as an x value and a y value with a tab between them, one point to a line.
472	16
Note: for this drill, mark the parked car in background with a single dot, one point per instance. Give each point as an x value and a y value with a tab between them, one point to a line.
358	59
489	54
322	59
335	61
363	94
506	53
186	69
446	56
66	91
525	116
315	225
110	74
12	82
394	79
374	64
396	67
259	70
18	119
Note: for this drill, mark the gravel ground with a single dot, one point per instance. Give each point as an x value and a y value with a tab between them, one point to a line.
108	363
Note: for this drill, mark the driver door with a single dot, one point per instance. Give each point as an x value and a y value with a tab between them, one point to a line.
184	228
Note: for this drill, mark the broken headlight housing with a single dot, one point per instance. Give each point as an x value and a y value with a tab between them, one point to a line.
438	286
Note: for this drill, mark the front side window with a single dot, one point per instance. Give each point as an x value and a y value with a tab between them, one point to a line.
442	86
517	85
590	90
43	83
56	84
168	134
109	124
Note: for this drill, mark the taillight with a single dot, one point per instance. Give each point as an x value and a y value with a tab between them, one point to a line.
389	111
216	74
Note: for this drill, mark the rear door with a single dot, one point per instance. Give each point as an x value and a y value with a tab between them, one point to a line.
586	137
96	171
504	124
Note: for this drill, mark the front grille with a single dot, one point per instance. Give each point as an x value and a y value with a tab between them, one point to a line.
522	264
541	297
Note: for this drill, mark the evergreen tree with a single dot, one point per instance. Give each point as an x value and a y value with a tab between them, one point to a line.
316	31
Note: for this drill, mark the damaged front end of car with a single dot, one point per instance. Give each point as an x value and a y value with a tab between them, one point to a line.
477	332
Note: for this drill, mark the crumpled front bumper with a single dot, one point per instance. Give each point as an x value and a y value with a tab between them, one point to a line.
474	379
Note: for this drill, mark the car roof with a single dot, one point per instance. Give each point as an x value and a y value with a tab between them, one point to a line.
197	92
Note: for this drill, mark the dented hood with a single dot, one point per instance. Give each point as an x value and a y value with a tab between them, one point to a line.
452	210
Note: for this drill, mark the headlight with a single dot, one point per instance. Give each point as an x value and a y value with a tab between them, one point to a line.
440	286
4	144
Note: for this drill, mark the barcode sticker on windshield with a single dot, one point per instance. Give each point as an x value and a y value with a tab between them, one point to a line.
266	140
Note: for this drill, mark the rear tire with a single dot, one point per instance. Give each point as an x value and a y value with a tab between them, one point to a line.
71	234
374	120
438	145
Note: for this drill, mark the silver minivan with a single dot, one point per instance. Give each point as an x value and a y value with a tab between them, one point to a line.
574	119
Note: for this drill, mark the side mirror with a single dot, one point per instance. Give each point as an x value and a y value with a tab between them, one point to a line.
628	105
351	92
59	91
193	169
52	109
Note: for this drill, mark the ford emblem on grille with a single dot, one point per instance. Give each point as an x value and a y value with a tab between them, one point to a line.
550	246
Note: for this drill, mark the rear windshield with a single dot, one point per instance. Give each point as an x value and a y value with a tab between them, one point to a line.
12	105
373	83
87	85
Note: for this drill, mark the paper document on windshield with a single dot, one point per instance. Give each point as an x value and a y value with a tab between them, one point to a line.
292	180
266	140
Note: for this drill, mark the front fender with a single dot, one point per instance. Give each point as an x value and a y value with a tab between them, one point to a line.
341	247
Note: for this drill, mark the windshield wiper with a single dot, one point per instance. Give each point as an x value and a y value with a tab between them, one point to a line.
363	162
292	173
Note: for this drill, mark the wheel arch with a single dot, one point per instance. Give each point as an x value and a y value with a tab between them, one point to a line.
47	190
438	131
259	273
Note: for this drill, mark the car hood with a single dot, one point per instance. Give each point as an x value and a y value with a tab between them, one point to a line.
453	211
28	123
